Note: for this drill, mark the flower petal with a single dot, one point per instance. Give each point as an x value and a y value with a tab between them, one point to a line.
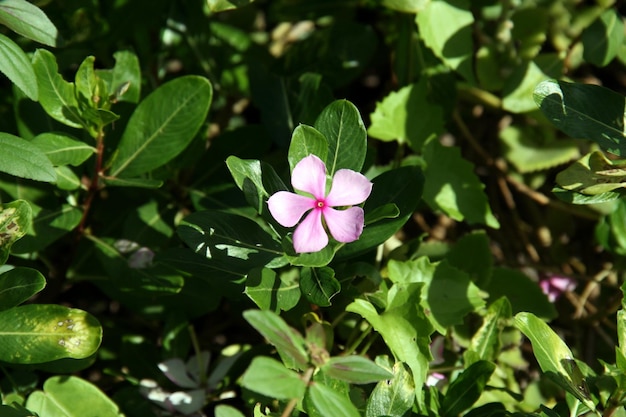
310	235
309	175
288	208
349	188
345	225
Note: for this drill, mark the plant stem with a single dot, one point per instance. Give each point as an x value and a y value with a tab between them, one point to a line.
294	401
94	184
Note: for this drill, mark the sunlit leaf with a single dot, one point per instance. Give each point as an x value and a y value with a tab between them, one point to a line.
22	159
28	20
286	384
17	66
18	285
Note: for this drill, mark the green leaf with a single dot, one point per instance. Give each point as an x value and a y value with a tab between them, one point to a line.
321	401
578	198
518	88
472	254
22	159
553	356
256	179
15	220
124	79
29	21
584	112
288	342
485	343
63	149
523	293
86	82
448	295
70	396
216	6
401	187
285	383
466	388
17	66
223	410
272	292
532	149
162	126
132	182
446	28
530	29
48	226
229	239
603	39
56	95
355	370
319	285
36	333
18	285
406	6
404	328
341	124
393	397
306	141
593	174
452	186
396	117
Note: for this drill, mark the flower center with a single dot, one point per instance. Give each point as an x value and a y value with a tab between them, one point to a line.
320	204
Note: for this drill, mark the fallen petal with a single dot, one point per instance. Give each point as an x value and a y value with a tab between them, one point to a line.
345	225
348	188
288	208
176	371
310	235
309	175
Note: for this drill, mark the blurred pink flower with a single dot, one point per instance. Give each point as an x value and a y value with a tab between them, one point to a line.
347	189
555	285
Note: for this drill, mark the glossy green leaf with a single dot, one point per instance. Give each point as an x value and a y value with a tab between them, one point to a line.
407	116
22	159
56	95
485	343
406	6
404	328
162	126
466	388
124	79
448	295
63	149
223	410
17	66
86	82
446	28
355	370
402	187
256	179
585	112
271	291
216	6
593	174
288	342
341	124
321	400
28	20
285	383
67	179
602	40
15	220
18	285
319	285
532	149
48	226
452	186
574	197
305	141
393	397
229	239
36	333
554	357
523	293
71	396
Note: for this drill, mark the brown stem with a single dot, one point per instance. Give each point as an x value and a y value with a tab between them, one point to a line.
94	184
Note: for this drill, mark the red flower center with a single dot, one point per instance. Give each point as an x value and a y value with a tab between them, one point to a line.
320	204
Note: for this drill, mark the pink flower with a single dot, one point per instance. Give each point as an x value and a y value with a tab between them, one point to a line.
347	189
555	285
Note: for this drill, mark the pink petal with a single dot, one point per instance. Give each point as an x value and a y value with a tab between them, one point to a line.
310	235
349	188
309	175
345	225
288	208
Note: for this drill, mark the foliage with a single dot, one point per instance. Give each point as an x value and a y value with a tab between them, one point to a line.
142	272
